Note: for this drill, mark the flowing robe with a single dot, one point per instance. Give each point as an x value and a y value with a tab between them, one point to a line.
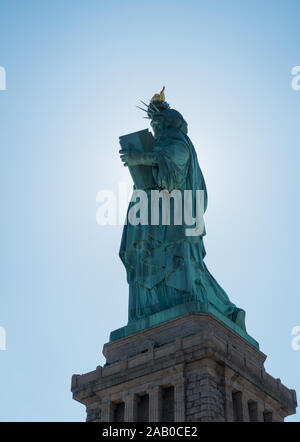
164	266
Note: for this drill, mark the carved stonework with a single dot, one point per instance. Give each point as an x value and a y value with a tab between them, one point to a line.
209	373
93	414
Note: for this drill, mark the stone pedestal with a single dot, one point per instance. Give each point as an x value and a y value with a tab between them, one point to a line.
192	368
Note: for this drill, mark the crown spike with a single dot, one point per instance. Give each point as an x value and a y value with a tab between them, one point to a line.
155	108
147	105
142	109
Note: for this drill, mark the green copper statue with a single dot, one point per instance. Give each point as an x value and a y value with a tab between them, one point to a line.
165	267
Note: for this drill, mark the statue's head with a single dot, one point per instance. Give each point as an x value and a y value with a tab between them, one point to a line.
162	116
168	119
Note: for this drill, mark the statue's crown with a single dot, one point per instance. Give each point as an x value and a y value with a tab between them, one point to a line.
156	105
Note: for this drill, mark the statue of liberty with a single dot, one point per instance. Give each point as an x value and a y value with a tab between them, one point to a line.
165	267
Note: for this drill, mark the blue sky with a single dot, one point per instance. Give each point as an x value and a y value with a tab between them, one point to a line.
75	71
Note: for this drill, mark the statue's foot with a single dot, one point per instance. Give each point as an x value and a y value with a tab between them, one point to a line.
238	317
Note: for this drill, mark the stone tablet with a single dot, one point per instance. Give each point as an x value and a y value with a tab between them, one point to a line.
142	141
